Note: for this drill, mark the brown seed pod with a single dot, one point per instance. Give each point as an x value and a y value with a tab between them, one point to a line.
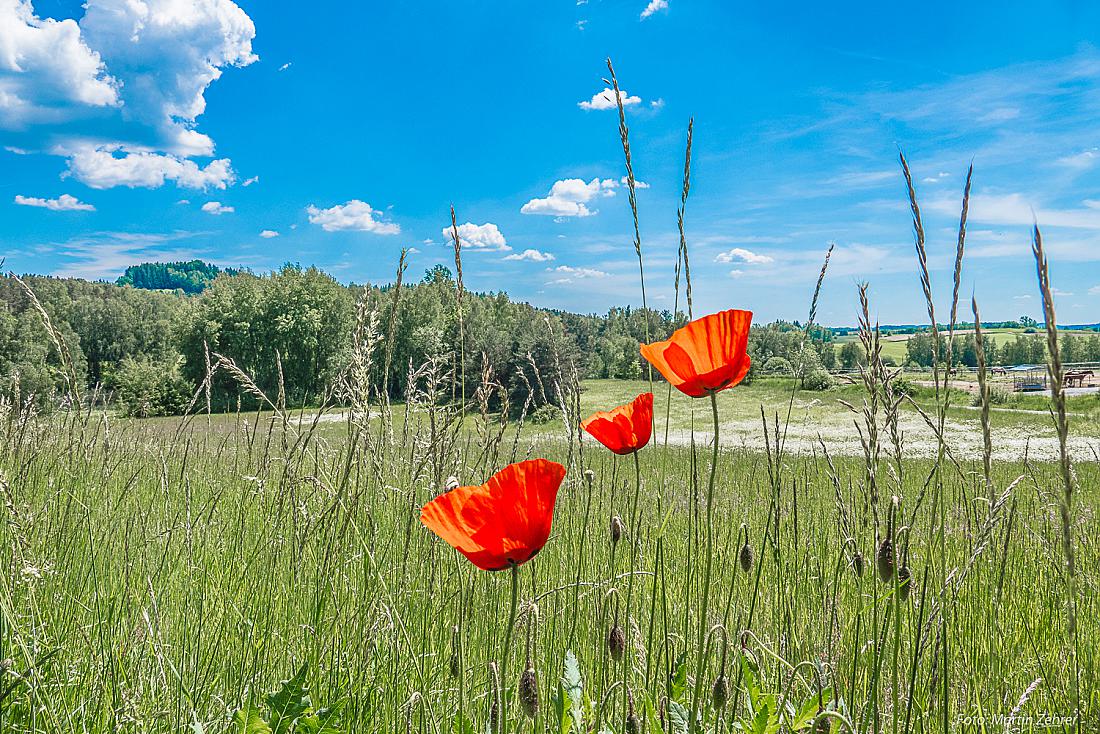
904	582
885	560
529	691
616	529
746	557
720	694
616	642
822	724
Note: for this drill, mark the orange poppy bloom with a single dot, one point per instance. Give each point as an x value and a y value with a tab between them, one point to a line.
503	522
706	355
624	429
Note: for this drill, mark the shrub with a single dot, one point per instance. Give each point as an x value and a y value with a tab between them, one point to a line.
903	386
778	366
818	380
145	388
544	414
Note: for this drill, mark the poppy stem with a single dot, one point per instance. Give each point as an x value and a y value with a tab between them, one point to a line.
508	644
700	666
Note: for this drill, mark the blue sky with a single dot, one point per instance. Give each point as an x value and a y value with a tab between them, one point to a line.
334	134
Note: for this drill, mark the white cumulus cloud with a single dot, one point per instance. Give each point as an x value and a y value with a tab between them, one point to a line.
536	256
654	6
570	197
605	100
216	208
268	234
478	237
104	168
126	82
63	203
355	215
165	53
741	255
46	68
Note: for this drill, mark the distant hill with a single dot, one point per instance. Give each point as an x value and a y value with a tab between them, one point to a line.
190	277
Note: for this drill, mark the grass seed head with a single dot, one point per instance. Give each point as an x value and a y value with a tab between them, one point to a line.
885	560
529	692
616	642
904	582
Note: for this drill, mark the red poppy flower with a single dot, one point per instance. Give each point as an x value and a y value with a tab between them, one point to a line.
503	522
624	429
706	355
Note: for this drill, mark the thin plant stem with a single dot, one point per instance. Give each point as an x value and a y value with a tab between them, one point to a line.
700	665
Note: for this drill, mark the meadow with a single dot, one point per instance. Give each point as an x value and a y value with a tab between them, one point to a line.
168	575
874	556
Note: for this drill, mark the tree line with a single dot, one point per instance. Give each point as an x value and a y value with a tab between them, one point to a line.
291	331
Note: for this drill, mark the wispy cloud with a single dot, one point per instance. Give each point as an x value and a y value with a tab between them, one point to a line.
653	7
104	255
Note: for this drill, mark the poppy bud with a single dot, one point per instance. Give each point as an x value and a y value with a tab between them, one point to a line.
822	724
720	694
616	529
529	691
589	475
746	557
885	560
857	564
616	642
5	665
452	484
904	578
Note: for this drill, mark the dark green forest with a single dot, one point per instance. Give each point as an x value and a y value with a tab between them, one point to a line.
146	342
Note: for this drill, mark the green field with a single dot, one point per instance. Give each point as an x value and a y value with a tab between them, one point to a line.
164	575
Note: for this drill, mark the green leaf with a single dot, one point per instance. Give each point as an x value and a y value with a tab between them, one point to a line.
249	721
561	706
290	702
680	678
573	685
678	716
807	712
760	721
462	724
